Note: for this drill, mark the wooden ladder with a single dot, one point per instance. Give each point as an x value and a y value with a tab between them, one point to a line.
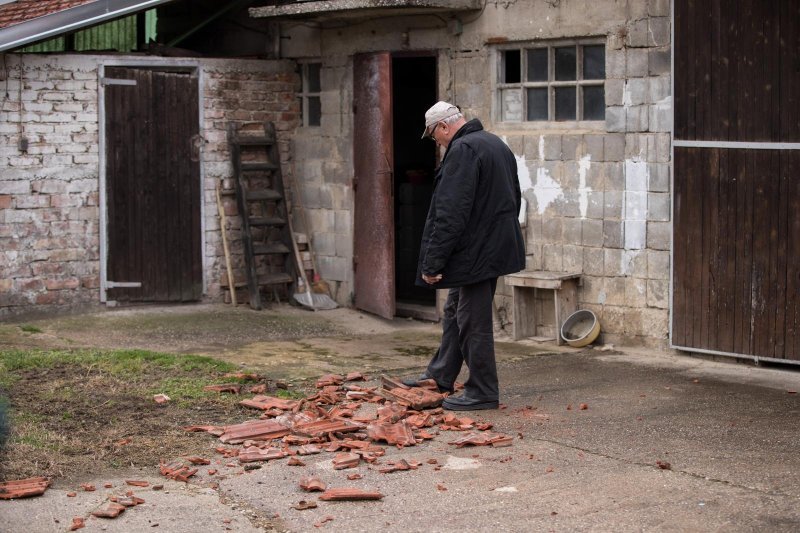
260	199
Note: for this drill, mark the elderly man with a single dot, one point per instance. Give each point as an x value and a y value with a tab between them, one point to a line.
471	237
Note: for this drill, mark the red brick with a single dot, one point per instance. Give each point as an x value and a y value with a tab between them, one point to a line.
60	284
5	201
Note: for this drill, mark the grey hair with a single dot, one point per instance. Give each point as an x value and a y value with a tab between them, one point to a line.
452	120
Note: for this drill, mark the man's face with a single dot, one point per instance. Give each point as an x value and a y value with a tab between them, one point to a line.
441	134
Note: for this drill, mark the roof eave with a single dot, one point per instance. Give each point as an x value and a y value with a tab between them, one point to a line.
70	20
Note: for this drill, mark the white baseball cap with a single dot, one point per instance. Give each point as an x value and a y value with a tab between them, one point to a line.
437	113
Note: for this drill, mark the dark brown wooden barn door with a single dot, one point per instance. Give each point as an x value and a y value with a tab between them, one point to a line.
373	246
736	233
152	185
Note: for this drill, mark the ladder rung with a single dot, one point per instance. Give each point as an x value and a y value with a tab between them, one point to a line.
267	221
259	166
266	194
272	279
271	248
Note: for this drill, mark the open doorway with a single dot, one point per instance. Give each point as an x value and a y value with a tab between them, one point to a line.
414	90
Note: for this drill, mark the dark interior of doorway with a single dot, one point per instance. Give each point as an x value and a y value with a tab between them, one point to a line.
414	91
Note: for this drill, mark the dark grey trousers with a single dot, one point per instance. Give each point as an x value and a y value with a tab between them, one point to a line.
468	337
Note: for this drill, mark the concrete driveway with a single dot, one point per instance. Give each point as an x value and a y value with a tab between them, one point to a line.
665	442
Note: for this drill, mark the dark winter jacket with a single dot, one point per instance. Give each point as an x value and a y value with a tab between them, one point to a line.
472	230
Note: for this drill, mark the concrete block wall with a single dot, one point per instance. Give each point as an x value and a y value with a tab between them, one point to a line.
598	197
49	194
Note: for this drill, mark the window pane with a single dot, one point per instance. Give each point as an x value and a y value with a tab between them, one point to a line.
314	110
594	103
537	64
511	66
313	77
594	62
565	103
537	104
511	102
566	68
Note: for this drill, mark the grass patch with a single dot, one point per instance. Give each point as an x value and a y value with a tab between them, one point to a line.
27	328
70	409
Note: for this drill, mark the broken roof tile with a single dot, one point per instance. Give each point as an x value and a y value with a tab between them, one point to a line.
302	505
137	483
252	454
329	379
355	376
23	488
161	398
318	428
112	511
345	460
397	466
399	433
77	523
244	376
343	494
255	430
312	483
414	397
177	470
270	402
309	449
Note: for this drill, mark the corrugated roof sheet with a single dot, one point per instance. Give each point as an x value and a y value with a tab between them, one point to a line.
25	10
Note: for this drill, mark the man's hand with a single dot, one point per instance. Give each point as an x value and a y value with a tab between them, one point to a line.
430	280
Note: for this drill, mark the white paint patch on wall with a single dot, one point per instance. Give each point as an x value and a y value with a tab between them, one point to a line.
583	191
525	183
634	211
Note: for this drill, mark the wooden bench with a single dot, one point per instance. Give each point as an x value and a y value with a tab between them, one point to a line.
524	286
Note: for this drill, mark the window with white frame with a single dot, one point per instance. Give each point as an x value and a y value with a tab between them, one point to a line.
310	101
552	82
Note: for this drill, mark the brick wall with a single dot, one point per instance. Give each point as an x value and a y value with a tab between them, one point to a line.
49	194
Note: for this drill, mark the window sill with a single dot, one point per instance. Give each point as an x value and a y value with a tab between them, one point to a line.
577	127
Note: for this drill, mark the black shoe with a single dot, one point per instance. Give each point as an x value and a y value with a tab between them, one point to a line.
465	403
413	382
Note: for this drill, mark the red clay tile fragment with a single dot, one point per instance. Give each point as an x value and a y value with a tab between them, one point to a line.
353	477
398	466
414	397
158	487
23	488
255	430
270	402
161	398
355	376
294	461
329	379
177	470
258	389
399	433
211	471
441	487
345	494
88	487
137	483
318	428
302	505
77	523
108	485
232	388
251	454
198	460
112	511
312	483
309	449
583	406
345	460
71	494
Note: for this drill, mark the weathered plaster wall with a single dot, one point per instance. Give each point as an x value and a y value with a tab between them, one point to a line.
49	195
598	198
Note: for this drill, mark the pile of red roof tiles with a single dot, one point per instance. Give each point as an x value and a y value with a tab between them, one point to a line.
352	421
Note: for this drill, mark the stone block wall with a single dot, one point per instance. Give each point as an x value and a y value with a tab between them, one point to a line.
49	193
